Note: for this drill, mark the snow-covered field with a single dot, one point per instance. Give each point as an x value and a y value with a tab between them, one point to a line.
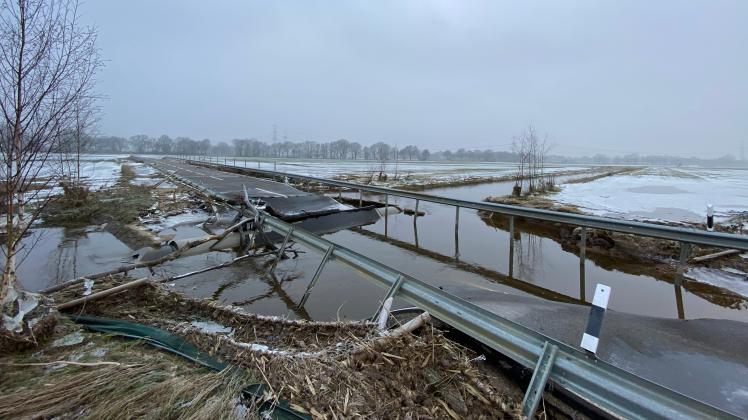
434	170
660	193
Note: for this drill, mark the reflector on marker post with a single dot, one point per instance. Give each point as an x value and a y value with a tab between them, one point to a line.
591	336
709	217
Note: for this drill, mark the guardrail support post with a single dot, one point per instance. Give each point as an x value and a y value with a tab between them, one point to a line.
281	249
539	379
457	232
685	253
360	198
582	260
386	212
415	224
317	273
390	293
511	246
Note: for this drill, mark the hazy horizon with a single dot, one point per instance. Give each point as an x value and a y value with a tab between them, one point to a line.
597	77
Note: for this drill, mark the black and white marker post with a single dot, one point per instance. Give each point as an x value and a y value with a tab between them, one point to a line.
591	336
709	217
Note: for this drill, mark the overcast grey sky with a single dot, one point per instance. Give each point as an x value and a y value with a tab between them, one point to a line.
596	76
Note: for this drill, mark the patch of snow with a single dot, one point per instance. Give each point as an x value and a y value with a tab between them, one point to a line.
255	347
145	181
261	348
211	327
186	218
69	340
659	193
98	353
735	281
167	185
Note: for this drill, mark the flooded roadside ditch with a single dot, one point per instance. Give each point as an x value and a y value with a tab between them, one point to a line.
541	265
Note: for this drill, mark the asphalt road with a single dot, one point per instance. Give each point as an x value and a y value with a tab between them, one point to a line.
706	359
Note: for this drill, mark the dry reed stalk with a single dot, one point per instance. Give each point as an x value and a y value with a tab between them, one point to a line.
144	391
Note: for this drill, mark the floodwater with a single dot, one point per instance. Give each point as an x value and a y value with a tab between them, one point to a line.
481	259
53	255
539	266
478	257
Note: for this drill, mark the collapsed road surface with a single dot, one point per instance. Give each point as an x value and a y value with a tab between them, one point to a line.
314	212
700	358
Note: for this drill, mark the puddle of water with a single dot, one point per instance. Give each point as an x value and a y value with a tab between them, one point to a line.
58	254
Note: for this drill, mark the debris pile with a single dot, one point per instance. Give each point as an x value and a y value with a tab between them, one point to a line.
325	369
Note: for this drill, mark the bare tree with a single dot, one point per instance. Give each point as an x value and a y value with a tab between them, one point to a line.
47	65
532	153
519	147
80	135
381	153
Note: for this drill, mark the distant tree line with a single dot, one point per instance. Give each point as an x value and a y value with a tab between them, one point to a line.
339	149
350	150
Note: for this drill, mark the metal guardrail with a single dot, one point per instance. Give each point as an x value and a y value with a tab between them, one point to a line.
607	387
611	389
683	235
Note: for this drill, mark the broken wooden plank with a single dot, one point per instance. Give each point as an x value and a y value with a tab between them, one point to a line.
715	255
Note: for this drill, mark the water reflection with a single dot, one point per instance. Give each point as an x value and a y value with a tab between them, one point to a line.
536	257
473	268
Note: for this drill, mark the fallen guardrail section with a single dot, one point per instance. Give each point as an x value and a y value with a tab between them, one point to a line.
613	390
